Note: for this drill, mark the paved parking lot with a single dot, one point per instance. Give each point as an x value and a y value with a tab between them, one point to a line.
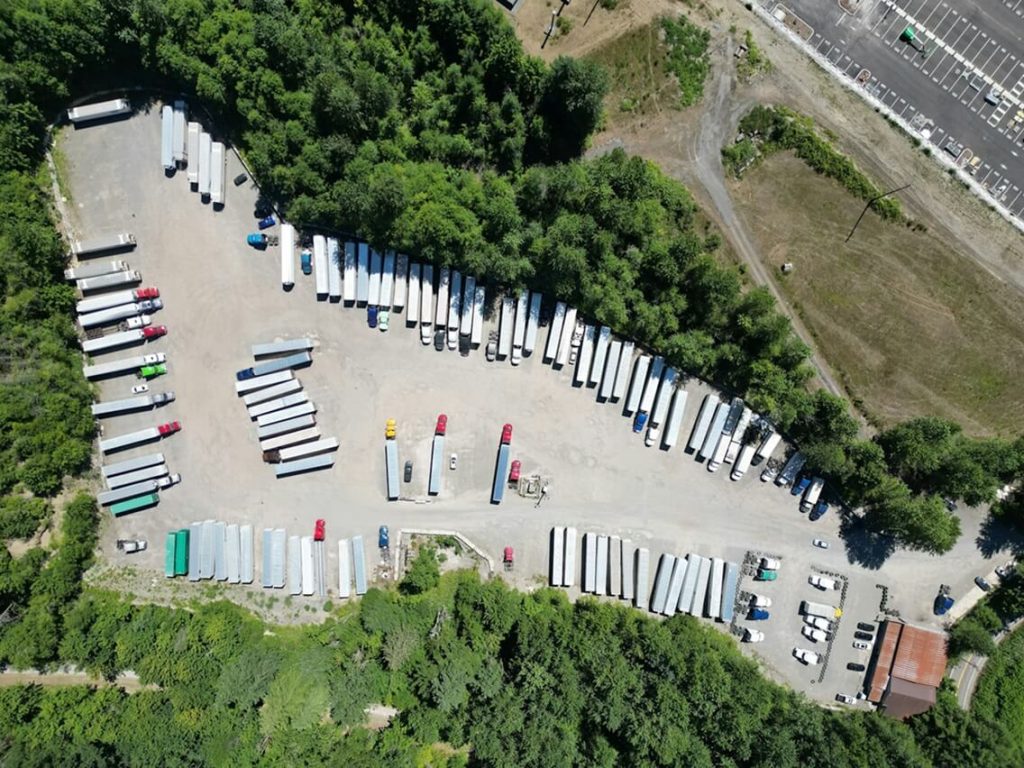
221	296
960	83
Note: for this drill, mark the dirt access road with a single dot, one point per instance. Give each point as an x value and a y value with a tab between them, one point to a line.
127	681
686	144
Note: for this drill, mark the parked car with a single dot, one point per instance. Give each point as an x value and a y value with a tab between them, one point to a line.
266	222
383	319
763	575
492	351
306	260
408	471
943	601
1003	571
770	563
822	582
241	178
814	634
138	389
770	472
440	341
799	488
983	585
843	698
865	626
819	511
867	636
166	482
371	316
318	530
853	666
860	645
760	601
950	504
152	371
819	622
639	422
806	656
382	537
454	461
128	546
820	543
758	614
752	635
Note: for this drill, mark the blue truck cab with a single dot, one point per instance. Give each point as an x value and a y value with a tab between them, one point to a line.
639	422
306	259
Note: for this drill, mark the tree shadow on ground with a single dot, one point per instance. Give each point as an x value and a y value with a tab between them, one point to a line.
863	546
996	535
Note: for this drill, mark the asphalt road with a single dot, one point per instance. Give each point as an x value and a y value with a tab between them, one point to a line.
222	296
963	52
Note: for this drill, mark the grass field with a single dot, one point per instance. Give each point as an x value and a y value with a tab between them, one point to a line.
912	327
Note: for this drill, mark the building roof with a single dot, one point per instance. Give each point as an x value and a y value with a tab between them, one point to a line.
889	635
908	666
906	698
920	656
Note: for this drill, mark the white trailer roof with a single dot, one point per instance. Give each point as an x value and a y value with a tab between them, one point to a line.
479	299
130	465
290	438
334	267
387	280
714	431
508	308
623	372
641	577
565	342
232	553
689	583
412	312
287	254
600	354
245	554
586	355
401	281
427	295
194	130
376	270
601	566
320	265
651	387
455	300
443	284
167	138
636	387
294	565
266	380
138	476
664	398
532	323
468	297
283	427
359	565
675	587
555	331
611	368
675	418
519	330
569	574
363	273
286	414
349	283
344	569
590	561
277	404
557	562
205	147
282	347
662	582
218	156
179	149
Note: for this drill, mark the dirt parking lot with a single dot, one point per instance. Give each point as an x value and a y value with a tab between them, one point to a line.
221	296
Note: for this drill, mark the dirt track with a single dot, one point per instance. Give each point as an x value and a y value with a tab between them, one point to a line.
128	681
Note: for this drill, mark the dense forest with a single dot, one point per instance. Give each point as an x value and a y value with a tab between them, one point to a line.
422	126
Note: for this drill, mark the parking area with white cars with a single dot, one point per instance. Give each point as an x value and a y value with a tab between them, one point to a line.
953	70
221	296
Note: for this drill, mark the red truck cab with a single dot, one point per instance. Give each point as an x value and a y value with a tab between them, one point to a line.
513	475
169	428
147	293
442	425
318	530
154	331
506	434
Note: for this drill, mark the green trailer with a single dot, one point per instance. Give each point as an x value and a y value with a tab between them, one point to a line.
169	554
181	552
132	505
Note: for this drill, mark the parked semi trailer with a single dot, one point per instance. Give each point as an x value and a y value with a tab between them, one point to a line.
506	330
122	338
412	312
277	404
133	505
98	269
130	465
281	347
468	299
123	365
501	465
586	356
454	308
427	303
179	138
437	456
637	383
218	155
675	418
287	256
273	366
321	270
99	110
532	323
272	393
479	300
140	436
829	612
284	427
391	460
114	407
205	148
565	338
167	138
108	300
308	464
142	488
555	332
604	338
611	367
349	281
138	476
714	431
111	280
387	280
192	144
259	382
290	438
661	404
298	451
363	274
519	329
117	241
376	269
286	414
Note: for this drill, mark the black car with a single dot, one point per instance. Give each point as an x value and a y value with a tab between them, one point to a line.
408	471
241	178
864	636
855	667
865	626
983	585
439	340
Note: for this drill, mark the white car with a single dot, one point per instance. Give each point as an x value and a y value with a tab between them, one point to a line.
752	635
860	645
770	564
153	359
139	321
769	473
820	543
760	601
814	634
454	461
806	656
138	389
819	623
383	319
845	699
822	582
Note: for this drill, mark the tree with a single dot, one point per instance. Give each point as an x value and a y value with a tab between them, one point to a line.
570	106
424	573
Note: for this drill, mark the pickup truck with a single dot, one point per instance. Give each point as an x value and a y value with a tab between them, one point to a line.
169	428
152	371
154	331
822	582
153	359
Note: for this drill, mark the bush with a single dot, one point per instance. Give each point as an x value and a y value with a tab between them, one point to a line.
424	573
20	516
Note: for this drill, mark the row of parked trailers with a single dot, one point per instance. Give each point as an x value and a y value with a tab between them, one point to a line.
185	145
211	549
294	562
283	415
612	566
